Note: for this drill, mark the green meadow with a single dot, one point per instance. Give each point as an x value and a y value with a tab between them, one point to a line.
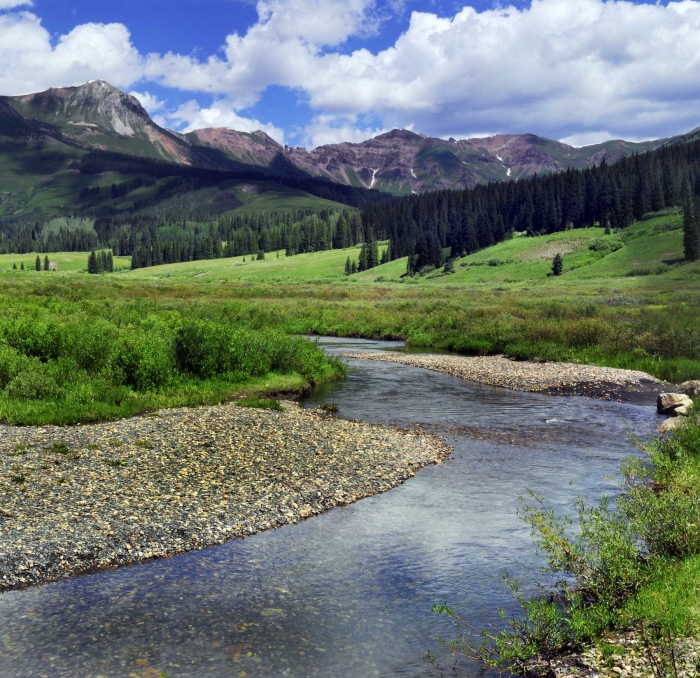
623	300
592	261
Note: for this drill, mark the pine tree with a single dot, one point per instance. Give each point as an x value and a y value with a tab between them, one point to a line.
691	228
110	261
348	266
362	266
372	251
22	266
354	267
261	255
14	267
37	264
46	262
93	266
557	265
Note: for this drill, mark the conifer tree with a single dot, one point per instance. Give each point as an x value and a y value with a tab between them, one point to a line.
37	264
354	267
22	266
348	266
46	262
691	227
14	267
372	251
362	266
93	266
339	235
261	255
110	261
557	264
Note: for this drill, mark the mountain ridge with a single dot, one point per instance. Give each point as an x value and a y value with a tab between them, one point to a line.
97	115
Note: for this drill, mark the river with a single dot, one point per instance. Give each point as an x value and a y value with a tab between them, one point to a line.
347	594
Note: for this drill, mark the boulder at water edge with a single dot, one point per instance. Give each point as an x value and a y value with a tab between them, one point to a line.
669	403
690	388
670	424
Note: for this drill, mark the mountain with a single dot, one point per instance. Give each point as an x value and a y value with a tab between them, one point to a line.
403	162
97	115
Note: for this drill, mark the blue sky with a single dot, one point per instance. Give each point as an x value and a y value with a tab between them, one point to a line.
318	71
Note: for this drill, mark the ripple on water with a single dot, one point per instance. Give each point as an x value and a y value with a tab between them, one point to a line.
346	594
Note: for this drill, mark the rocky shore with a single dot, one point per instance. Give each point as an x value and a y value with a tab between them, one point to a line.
553	378
624	655
76	499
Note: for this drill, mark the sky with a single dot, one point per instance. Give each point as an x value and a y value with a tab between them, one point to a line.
312	72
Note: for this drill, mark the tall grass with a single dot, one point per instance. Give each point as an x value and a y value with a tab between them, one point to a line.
655	331
64	362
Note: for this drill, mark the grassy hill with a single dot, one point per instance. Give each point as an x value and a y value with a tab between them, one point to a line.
652	249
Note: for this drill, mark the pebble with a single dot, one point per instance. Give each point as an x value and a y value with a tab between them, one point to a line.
80	498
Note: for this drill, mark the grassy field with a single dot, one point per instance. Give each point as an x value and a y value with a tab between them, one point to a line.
623	300
68	262
651	249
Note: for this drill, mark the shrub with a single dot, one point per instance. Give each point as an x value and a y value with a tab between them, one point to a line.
32	383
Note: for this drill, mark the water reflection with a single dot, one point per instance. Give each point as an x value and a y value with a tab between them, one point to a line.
347	594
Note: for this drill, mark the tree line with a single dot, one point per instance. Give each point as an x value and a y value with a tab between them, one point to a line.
613	196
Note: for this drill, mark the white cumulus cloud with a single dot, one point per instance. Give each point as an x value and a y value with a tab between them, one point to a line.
11	4
556	67
149	101
331	129
580	70
191	116
284	47
30	62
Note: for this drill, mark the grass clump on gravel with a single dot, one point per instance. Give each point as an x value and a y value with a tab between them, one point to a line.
260	403
632	564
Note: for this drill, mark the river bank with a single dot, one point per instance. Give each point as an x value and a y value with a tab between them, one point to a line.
76	499
551	378
627	656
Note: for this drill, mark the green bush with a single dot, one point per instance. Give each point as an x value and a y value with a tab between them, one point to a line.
33	382
89	363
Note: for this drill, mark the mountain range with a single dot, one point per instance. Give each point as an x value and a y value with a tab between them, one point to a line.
72	120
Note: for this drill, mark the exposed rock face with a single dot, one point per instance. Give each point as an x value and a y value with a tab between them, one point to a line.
673	403
97	115
247	148
402	161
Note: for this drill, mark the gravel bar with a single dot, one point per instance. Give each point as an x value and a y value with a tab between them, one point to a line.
606	383
81	498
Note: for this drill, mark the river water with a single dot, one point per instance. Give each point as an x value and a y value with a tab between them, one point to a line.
347	594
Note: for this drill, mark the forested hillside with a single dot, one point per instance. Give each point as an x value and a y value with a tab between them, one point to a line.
158	212
608	195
